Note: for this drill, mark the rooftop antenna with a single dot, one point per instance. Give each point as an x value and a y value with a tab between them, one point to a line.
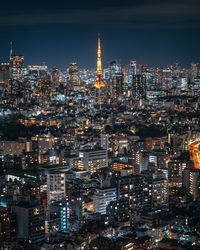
11	51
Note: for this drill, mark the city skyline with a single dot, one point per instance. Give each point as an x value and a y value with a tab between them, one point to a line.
92	63
156	33
100	125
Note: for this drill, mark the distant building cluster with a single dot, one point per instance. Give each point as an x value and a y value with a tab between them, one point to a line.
99	159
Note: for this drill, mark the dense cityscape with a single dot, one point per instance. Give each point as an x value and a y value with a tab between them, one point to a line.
99	158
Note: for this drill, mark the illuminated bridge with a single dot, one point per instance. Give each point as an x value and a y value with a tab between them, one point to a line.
194	148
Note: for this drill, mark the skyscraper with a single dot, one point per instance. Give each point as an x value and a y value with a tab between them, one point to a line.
114	67
194	71
132	70
73	72
74	80
56	76
117	85
139	86
17	67
196	89
115	82
4	73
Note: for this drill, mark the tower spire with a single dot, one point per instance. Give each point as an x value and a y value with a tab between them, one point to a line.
99	78
11	51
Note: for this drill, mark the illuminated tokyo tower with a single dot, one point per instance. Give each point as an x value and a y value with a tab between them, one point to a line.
99	78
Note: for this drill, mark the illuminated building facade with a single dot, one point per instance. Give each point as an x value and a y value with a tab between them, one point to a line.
58	216
175	172
159	192
132	70
194	70
102	198
4	73
77	205
119	210
196	86
104	141
17	67
55	186
142	159
74	162
117	82
73	74
35	73
56	76
8	230
126	72
118	166
136	189
139	87
94	159
194	184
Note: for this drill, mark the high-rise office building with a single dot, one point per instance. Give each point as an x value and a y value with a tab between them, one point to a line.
73	73
114	67
132	70
196	86
139	87
117	85
35	73
115	79
194	71
4	73
17	67
126	72
183	83
56	76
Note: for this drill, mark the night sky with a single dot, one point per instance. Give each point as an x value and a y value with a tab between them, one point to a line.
58	32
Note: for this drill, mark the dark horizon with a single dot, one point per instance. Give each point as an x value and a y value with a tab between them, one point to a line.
157	33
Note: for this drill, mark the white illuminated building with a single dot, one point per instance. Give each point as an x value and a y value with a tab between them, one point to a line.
55	186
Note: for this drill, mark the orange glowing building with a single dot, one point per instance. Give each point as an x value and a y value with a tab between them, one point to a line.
195	153
99	78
